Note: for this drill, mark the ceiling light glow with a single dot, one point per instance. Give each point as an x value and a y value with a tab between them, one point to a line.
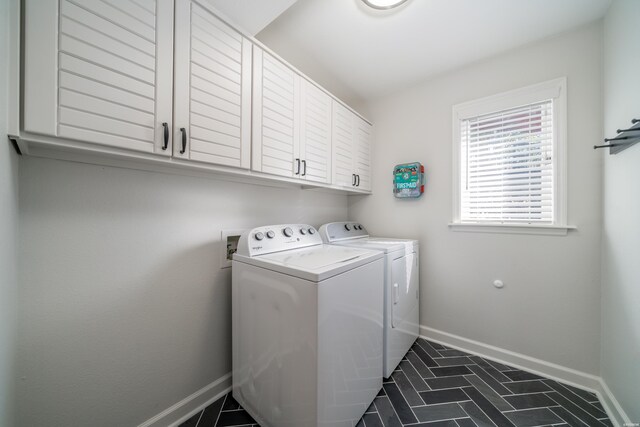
383	4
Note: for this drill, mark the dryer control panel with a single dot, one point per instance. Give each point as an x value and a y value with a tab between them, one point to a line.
276	238
335	231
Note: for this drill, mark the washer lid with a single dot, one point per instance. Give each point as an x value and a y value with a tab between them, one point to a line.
315	263
386	245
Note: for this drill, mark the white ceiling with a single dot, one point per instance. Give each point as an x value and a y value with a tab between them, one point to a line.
375	53
251	15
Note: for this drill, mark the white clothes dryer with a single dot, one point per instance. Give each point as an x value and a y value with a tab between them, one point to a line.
306	328
401	285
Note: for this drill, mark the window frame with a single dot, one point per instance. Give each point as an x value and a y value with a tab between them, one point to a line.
554	90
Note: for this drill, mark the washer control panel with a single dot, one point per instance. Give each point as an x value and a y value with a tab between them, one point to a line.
276	238
335	231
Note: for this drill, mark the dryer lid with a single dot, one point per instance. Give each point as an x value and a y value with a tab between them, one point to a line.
381	244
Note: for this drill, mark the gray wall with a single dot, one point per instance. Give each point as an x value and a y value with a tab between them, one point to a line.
550	306
124	309
621	233
8	233
272	37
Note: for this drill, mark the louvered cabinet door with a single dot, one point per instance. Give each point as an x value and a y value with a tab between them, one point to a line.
276	112
343	136
100	71
212	89
362	154
315	133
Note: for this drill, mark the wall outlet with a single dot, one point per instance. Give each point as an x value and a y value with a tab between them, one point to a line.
229	240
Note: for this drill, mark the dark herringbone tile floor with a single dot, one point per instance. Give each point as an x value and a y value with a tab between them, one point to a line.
441	387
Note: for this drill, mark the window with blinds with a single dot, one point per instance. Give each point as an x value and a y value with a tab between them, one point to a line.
506	165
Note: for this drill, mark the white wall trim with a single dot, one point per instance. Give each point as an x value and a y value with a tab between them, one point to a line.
555	90
618	416
190	405
560	373
547	230
526	363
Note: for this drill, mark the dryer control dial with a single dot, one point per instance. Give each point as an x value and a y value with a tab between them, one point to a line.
259	235
287	232
312	230
347	227
271	234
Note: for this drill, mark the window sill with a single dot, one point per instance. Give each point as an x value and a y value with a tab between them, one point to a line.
546	230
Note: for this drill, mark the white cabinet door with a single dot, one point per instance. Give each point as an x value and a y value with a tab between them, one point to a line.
315	133
343	134
362	154
100	71
212	103
276	116
351	147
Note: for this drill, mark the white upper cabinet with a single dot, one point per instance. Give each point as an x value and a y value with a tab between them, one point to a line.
351	149
100	71
291	122
170	78
276	116
362	154
212	103
315	133
342	146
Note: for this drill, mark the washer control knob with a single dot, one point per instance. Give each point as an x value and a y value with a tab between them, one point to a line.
287	232
347	227
312	230
303	231
271	234
259	235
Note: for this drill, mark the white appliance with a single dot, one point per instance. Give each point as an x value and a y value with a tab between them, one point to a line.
307	328
401	285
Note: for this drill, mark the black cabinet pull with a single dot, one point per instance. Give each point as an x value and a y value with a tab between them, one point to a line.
184	140
358	177
298	167
353	175
304	167
165	143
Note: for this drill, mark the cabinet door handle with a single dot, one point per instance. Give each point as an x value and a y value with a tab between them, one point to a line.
358	178
304	167
165	143
353	175
298	167
184	140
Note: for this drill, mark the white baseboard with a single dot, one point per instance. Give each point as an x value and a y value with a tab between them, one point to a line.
540	367
192	404
612	406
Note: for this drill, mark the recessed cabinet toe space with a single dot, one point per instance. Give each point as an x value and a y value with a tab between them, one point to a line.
112	79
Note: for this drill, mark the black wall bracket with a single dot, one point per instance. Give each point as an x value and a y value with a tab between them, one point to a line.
624	139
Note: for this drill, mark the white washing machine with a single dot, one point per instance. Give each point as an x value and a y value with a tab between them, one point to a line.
307	328
401	285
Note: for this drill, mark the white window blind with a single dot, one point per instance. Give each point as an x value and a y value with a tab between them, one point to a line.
506	166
